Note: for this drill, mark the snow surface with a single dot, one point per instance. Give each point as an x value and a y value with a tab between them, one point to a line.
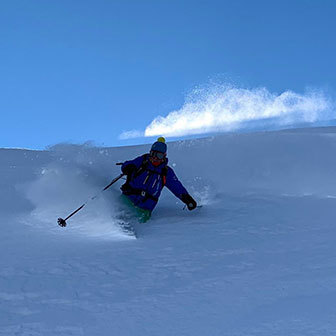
257	259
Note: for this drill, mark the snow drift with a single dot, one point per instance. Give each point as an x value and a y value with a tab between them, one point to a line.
256	259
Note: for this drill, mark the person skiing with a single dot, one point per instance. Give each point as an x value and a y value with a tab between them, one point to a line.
146	177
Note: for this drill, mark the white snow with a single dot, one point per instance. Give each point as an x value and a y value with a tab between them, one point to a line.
226	107
257	259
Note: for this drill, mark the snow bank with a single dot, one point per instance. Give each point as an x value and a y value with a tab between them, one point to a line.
256	259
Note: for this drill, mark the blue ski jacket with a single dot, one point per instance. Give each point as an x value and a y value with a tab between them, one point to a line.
145	182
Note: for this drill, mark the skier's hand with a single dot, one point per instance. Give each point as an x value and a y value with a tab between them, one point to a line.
189	201
129	169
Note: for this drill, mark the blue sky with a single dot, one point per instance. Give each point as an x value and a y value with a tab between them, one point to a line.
89	70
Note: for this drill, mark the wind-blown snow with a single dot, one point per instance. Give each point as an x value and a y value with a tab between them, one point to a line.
257	259
227	108
131	134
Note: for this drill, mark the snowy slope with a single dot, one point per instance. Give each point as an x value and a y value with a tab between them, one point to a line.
257	259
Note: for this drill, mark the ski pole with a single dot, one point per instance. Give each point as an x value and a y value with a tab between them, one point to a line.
62	222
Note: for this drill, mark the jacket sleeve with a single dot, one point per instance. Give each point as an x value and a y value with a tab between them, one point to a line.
135	163
174	185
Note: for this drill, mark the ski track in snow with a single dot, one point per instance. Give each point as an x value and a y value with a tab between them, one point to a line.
257	259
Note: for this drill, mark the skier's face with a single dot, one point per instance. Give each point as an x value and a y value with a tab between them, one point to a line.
156	158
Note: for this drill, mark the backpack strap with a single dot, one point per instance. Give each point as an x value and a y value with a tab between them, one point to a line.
164	173
144	167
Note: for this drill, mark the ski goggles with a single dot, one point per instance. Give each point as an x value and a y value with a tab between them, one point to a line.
157	155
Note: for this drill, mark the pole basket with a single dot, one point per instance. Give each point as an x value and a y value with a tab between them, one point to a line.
61	222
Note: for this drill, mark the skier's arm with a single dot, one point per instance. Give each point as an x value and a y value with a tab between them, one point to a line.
176	187
128	167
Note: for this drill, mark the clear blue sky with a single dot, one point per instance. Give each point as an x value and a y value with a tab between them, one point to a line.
88	70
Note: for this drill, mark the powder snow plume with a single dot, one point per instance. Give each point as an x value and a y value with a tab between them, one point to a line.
228	108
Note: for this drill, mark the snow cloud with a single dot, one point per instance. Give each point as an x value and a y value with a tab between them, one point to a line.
227	108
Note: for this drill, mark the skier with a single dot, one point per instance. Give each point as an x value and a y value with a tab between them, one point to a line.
146	177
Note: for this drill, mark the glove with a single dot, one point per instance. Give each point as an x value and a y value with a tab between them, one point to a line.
129	169
189	201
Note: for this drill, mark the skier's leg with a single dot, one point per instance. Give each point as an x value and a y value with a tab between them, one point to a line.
142	215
